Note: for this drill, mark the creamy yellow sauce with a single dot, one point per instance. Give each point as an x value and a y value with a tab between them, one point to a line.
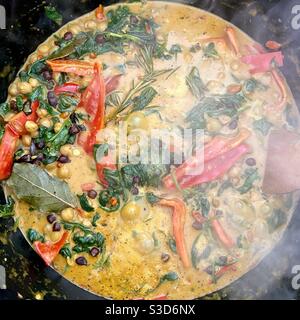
132	273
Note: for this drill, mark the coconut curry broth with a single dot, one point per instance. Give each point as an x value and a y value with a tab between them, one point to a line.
139	258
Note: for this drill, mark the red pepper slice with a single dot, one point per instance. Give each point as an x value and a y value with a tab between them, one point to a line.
78	67
262	62
93	101
48	251
214	168
224	238
13	130
112	83
273	45
67	88
218	146
178	218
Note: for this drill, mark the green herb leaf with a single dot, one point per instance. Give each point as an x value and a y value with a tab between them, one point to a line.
195	83
172	245
42	191
210	51
52	13
65	251
249	181
262	125
276	220
7	210
96	217
4	109
84	203
34	235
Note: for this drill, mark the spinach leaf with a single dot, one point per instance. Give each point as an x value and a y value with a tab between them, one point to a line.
195	83
100	151
67	103
52	13
248	183
175	49
37	94
172	245
262	125
225	185
85	203
7	210
19	102
4	109
34	235
96	217
210	51
65	251
203	205
149	175
83	243
277	219
196	255
75	225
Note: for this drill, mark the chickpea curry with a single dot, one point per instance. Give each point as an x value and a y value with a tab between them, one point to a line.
135	230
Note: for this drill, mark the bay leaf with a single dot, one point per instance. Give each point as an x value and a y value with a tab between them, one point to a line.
42	191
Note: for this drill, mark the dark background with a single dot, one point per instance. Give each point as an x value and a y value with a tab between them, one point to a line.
27	27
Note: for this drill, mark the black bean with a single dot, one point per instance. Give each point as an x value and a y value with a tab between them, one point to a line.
134	20
74	117
32	149
64	159
233	124
251	162
81	261
56	227
25	158
135	191
41	144
92	194
52	98
136	180
100	39
219	213
51	218
165	257
223	260
81	127
13	105
47	75
68	36
197	225
74	129
94	252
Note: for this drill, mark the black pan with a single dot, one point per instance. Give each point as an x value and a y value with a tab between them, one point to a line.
27	26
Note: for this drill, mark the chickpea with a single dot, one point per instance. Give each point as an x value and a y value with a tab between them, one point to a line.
13	89
33	58
75	29
213	125
34	134
68	214
57	127
145	243
234	172
66	150
64	115
215	202
24	87
235	66
137	120
63	172
43	49
76	152
90	25
33	82
31	126
26	140
131	211
265	209
55	236
70	262
45	122
42	113
51	166
48	228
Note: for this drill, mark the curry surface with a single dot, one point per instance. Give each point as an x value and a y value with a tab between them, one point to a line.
132	273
